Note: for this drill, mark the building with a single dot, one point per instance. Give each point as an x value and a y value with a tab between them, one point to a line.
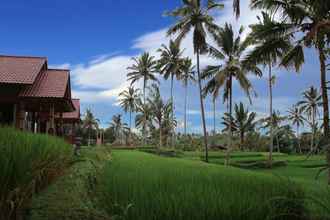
35	98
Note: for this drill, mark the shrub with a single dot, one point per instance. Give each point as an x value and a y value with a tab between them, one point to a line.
28	162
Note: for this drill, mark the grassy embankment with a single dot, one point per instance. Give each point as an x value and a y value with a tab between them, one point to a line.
74	196
28	163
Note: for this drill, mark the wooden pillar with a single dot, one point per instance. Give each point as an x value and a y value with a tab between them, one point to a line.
14	114
20	116
51	129
61	124
33	122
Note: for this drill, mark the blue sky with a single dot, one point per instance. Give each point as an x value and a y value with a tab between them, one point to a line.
96	40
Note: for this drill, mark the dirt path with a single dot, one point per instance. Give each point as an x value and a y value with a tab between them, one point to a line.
73	196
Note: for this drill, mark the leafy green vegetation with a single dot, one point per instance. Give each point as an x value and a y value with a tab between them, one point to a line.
170	188
28	162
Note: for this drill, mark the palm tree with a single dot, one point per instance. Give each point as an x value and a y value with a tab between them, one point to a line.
143	117
144	68
159	109
195	16
119	127
267	52
230	50
237	7
212	88
273	122
128	102
297	118
243	121
90	123
311	19
170	65
187	75
309	105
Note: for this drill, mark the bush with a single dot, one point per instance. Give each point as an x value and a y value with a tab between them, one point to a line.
28	162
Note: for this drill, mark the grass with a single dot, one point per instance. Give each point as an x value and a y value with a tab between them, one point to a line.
73	196
153	187
28	163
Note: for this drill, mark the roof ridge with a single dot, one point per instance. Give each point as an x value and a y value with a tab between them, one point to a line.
57	69
23	56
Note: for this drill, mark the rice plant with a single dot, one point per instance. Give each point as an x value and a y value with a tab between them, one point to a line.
28	162
169	188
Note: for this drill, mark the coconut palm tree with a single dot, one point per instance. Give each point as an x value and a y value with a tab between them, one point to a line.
242	121
296	117
143	117
267	51
159	109
119	127
144	68
170	65
128	101
312	100
230	51
273	122
188	75
195	16
90	122
212	88
308	20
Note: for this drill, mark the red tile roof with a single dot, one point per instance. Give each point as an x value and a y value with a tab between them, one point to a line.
52	83
76	113
20	69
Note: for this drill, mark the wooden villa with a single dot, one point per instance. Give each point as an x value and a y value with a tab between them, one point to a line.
35	98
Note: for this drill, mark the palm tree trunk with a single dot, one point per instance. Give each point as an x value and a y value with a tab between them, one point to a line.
214	116
324	92
160	136
278	144
271	143
202	109
185	108
313	130
144	102
299	144
230	121
89	137
325	100
242	140
130	127
172	113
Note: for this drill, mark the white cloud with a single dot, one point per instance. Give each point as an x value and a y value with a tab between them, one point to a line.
60	66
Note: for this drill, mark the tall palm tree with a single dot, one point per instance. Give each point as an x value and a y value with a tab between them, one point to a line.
195	16
144	68
128	101
312	100
212	88
230	50
119	127
267	51
170	65
90	122
297	119
188	75
311	20
159	109
242	121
